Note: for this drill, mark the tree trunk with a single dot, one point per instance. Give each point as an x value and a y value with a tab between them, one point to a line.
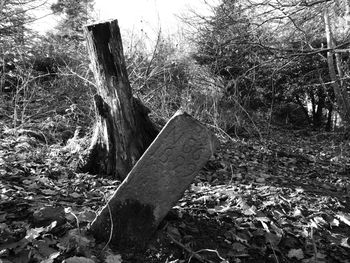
347	12
123	130
329	119
318	114
2	4
341	94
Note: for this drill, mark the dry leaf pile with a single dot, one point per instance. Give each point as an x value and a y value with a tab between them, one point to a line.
281	199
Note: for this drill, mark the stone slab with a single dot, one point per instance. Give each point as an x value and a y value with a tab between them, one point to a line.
156	182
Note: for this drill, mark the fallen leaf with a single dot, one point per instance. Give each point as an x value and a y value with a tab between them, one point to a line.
113	259
78	260
238	247
320	221
345	242
335	222
48	192
249	211
344	218
75	195
260	180
296	253
34	233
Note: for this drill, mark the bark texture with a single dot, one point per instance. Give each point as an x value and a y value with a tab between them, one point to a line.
123	130
340	91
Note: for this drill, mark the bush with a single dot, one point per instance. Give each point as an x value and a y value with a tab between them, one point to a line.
290	114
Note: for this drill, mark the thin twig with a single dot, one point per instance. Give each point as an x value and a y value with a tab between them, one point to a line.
221	130
193	254
274	252
69	211
111	229
314	244
213	251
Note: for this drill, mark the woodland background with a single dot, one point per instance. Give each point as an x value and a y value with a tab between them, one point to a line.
249	61
269	77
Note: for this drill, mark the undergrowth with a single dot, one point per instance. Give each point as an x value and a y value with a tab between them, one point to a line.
51	89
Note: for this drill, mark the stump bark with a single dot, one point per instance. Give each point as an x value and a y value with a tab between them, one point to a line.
123	130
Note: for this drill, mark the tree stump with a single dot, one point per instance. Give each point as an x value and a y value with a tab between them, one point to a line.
123	130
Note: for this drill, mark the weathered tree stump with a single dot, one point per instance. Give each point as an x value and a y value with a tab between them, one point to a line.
123	130
155	184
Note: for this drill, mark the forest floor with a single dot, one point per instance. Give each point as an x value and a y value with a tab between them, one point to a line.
283	198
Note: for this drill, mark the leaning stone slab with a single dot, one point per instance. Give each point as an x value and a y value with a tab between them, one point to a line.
156	182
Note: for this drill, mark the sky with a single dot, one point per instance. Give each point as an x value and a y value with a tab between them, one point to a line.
148	17
152	13
138	14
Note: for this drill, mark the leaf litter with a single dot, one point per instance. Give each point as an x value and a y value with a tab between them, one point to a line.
284	199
